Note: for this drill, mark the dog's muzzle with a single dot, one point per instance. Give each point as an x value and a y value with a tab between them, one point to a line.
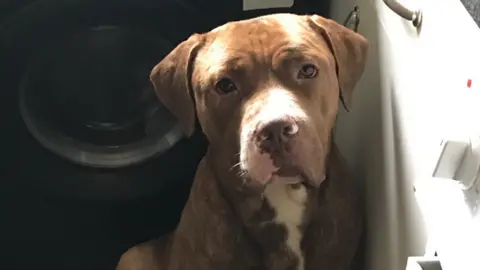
271	136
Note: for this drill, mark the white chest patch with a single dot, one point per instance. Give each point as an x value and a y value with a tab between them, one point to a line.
289	206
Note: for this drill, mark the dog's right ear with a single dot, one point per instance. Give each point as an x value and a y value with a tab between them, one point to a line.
172	80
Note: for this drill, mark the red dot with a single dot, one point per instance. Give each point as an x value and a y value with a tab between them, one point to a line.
469	83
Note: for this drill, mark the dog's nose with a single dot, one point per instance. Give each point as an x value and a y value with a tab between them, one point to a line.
275	135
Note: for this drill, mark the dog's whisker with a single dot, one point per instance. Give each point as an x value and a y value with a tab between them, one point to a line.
241	174
244	182
234	166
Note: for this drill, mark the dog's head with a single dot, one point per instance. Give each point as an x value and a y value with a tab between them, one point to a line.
265	91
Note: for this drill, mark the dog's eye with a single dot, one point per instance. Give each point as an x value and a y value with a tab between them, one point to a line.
225	86
307	71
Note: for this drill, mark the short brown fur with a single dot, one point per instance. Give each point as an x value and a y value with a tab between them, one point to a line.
222	226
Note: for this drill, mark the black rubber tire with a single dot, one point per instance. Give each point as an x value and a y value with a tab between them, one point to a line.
23	158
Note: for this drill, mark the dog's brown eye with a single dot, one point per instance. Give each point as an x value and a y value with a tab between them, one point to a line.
307	71
225	86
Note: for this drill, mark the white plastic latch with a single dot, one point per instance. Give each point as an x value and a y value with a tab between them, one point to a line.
423	263
460	161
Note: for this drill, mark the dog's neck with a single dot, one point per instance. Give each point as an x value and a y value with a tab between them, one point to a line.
259	214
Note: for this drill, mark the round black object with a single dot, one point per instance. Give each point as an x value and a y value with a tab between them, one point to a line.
88	98
75	73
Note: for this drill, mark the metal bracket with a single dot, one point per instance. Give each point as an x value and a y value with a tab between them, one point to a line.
353	20
414	16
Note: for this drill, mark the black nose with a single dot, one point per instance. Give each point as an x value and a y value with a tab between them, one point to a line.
275	136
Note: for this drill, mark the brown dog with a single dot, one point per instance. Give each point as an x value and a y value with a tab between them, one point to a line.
271	192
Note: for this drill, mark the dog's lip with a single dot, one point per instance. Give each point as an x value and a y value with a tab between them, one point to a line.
291	180
293	175
289	171
308	181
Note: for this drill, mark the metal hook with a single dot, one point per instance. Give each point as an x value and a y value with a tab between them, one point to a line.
414	16
353	19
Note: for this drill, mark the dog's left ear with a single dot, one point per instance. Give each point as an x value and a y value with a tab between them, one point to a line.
349	50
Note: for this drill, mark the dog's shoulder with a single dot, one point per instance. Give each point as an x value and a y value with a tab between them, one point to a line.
149	255
335	231
209	234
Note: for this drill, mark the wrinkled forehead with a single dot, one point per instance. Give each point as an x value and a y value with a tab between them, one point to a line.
255	37
285	27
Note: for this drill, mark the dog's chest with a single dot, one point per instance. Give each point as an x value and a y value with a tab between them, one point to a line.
288	204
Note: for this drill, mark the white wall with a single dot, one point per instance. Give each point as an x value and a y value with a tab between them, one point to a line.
366	138
412	96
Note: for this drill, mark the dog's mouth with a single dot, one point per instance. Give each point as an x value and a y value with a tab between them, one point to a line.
297	166
292	175
266	170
